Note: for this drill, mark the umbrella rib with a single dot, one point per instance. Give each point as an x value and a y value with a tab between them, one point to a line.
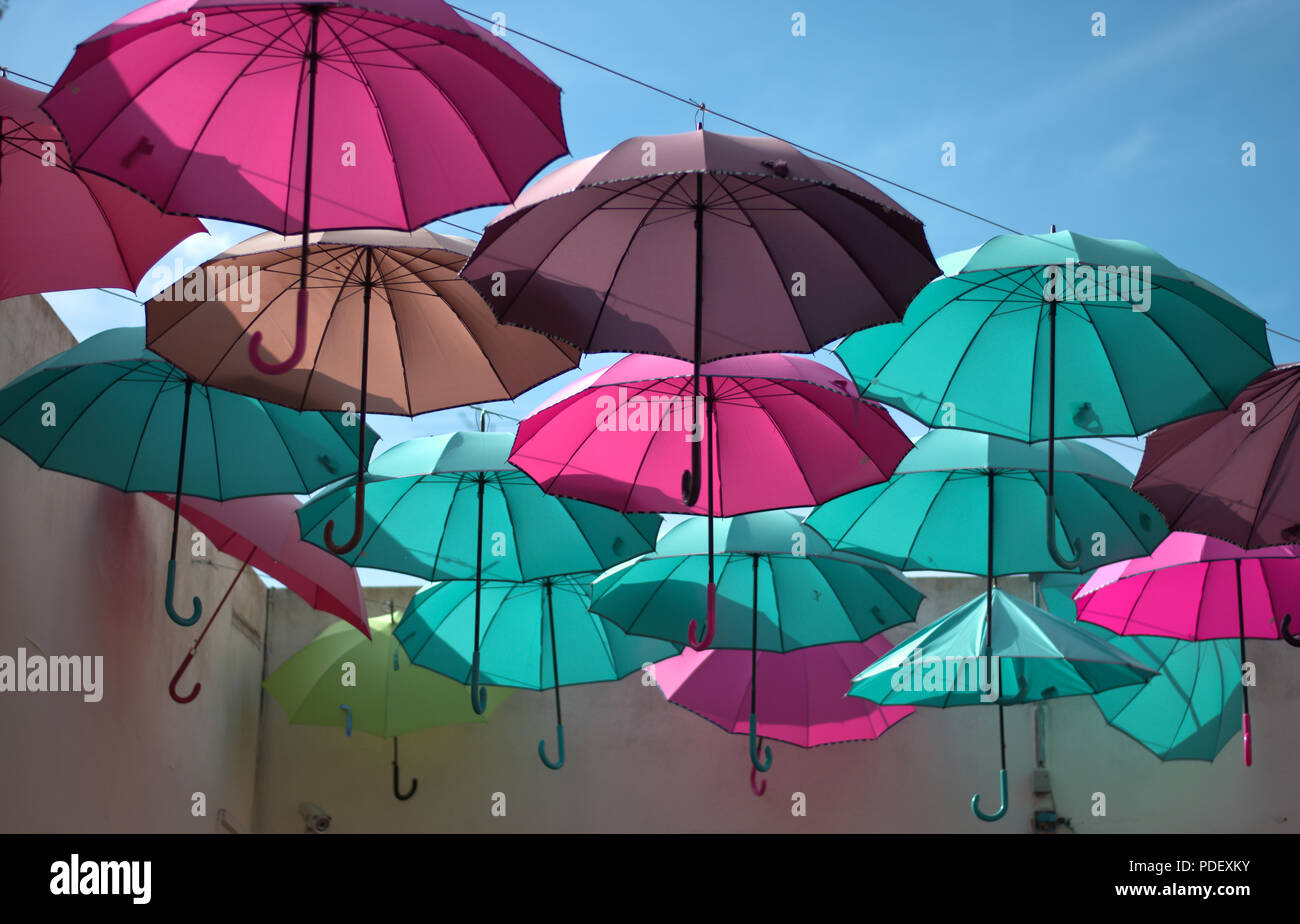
1288	441
63	374
320	344
216	446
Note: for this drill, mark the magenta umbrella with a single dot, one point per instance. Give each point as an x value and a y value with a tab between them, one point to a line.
64	229
210	108
1197	588
780	431
263	532
802	701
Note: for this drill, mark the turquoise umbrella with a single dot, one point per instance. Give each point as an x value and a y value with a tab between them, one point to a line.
780	587
536	635
997	649
930	515
110	410
453	507
1142	343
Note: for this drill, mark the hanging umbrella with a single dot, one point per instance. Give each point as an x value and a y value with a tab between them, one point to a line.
111	411
263	532
1235	473
436	344
784	431
390	697
996	648
536	635
210	108
931	514
802	701
1144	342
453	507
1196	588
64	229
780	588
701	246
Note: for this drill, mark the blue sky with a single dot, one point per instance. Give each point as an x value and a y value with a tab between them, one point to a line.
1137	134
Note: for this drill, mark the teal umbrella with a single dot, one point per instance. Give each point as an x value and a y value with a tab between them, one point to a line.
109	410
453	507
1142	343
780	587
997	649
930	515
536	635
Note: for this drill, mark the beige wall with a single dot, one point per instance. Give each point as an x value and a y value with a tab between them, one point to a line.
636	763
82	572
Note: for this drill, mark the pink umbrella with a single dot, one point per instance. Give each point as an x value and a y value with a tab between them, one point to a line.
802	700
45	206
1196	588
781	431
263	532
209	107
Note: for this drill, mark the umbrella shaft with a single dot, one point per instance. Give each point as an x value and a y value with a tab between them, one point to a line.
555	657
312	61
180	464
753	650
1241	632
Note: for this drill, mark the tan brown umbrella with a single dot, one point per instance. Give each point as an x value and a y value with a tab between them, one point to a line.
390	327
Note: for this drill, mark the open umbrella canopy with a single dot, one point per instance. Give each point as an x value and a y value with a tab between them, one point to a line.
64	229
934	513
808	594
1234	474
1142	342
787	432
1036	656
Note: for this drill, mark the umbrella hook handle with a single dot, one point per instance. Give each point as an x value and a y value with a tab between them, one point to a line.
170	590
754	744
397	790
1002	810
299	343
347	710
710	623
171	687
754	786
477	692
541	748
1287	635
1066	564
691	478
358	518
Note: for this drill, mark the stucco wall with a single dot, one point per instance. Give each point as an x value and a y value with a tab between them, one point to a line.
82	573
636	763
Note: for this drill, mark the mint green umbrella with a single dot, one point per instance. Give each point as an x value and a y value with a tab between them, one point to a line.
453	507
110	410
1142	343
536	635
931	514
780	587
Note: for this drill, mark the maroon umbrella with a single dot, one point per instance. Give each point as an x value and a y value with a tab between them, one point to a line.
701	246
210	108
1233	474
263	532
65	229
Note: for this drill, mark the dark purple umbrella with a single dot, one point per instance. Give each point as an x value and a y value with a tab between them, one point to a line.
701	246
1233	474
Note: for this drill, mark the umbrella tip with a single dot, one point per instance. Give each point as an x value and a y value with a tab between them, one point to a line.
779	167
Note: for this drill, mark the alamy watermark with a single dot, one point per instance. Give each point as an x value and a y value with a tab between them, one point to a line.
650	414
54	674
238	284
949	674
1085	283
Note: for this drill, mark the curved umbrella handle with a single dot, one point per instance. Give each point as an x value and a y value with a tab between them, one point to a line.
1066	564
1287	636
171	687
348	723
477	692
1245	738
710	623
1002	810
167	599
299	343
754	787
766	764
541	748
397	790
358	517
691	478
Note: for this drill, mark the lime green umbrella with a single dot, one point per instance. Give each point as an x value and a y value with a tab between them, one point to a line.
114	412
453	507
382	693
536	635
931	514
1142	343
